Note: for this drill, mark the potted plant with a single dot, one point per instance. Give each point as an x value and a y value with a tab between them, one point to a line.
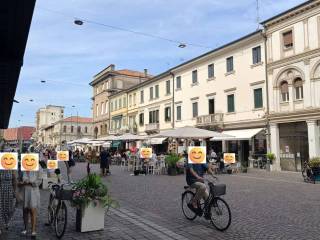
91	197
270	158
314	164
171	161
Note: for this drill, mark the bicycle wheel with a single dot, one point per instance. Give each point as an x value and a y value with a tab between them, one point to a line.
220	214
187	197
50	210
61	219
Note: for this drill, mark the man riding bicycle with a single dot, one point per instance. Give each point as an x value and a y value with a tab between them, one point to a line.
194	178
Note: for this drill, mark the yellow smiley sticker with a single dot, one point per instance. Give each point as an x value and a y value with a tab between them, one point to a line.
145	152
30	162
8	161
197	155
63	156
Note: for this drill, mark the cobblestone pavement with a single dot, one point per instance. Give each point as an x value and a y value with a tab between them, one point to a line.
264	206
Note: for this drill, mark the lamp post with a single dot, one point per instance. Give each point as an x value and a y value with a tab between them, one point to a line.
77	136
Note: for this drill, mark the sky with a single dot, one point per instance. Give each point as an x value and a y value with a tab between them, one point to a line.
67	56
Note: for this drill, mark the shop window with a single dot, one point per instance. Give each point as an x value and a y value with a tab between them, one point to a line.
284	92
298	87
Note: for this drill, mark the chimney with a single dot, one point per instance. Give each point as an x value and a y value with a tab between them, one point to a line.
145	72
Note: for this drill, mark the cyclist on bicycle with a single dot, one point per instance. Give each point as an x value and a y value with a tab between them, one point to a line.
194	178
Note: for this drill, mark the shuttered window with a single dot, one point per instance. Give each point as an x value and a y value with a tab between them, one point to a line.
167	114
151	93
156	88
195	109
168	87
258	101
178	113
141	96
230	99
178	82
194	76
287	39
229	64
210	71
256	55
141	118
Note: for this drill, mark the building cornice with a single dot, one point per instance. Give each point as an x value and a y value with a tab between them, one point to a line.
293	59
303	115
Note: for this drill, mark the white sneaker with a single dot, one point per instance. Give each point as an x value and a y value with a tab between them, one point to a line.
24	233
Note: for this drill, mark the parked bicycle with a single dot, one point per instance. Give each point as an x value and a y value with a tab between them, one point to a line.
57	208
215	206
307	173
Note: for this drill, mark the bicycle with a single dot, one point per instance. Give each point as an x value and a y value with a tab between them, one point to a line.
307	173
57	208
215	207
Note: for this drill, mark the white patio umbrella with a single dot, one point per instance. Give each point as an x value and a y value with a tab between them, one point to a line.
130	137
188	132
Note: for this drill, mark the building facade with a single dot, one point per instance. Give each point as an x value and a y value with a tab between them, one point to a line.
293	68
68	129
46	116
106	83
13	137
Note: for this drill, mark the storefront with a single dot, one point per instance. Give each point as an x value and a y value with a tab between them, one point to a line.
245	143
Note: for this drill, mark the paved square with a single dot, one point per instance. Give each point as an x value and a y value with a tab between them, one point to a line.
263	205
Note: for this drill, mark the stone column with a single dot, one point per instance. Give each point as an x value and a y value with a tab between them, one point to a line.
275	145
313	138
224	146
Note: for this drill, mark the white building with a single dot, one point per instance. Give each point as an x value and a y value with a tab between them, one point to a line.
293	67
46	116
68	129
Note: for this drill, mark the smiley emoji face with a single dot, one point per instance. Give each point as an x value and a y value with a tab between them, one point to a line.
197	155
52	164
146	152
63	156
8	161
30	162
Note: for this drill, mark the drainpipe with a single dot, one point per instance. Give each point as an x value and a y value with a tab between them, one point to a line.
173	107
267	89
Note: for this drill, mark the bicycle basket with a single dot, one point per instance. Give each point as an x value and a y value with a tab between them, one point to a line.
218	189
64	194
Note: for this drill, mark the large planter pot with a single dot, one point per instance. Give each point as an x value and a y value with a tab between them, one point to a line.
172	171
90	218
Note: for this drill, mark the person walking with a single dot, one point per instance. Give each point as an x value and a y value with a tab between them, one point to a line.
7	194
104	162
31	199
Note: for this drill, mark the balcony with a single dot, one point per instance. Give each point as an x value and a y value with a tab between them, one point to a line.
152	128
211	119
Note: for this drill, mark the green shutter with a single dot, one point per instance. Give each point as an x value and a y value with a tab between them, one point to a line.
231	103
258	102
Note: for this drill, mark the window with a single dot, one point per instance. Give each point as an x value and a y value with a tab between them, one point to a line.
211	71
230	99
141	119
120	103
284	89
130	100
116	105
151	93
229	64
258	101
168	87
78	129
178	113
195	109
134	98
102	108
111	106
86	129
287	39
167	114
124	102
106	110
211	106
64	129
156	89
141	96
298	87
97	110
256	55
71	129
154	116
178	82
194	76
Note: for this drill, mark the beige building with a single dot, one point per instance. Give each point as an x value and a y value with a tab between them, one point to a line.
107	82
293	68
68	129
44	117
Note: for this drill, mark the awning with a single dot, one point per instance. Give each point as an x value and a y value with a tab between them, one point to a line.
155	141
242	134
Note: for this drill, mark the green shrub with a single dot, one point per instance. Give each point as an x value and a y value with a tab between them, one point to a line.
171	160
314	162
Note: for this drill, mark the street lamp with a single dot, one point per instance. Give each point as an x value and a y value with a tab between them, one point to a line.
73	106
